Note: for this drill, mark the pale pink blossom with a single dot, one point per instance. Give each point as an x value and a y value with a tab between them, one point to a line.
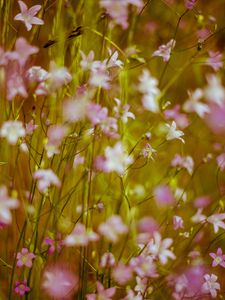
159	248
59	282
174	133
221	161
148	151
78	160
214	91
80	236
6	204
163	195
178	222
217	221
193	104
202	201
12	131
15	83
198	217
24	258
75	109
211	285
185	162
175	114
113	228
144	266
21	287
215	60
101	293
54	245
107	260
122	111
27	16
165	50
190	4
30	127
113	60
87	60
22	51
56	133
96	113
36	74
218	258
45	179
99	75
122	273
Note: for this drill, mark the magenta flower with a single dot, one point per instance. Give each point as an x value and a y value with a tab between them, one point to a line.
211	285
21	287
27	16
102	293
165	50
218	258
24	258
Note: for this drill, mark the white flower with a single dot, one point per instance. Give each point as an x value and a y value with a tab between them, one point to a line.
194	105
211	285
217	221
6	203
173	133
159	248
116	159
12	131
45	179
165	50
215	92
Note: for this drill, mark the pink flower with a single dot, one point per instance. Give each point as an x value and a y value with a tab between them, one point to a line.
163	195
193	104
185	162
102	293
55	245
215	60
218	258
113	228
24	258
217	221
165	50
174	114
6	204
221	161
123	112
178	222
21	287
55	134
59	282
27	16
190	4
122	273
144	266
30	127
22	51
46	178
211	285
80	236
96	113
159	248
107	260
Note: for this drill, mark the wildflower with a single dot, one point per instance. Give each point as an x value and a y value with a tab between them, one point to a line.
99	75
55	134
107	260
6	204
122	273
78	160
202	201
96	113
178	222
165	50
22	51
163	195
59	282
211	285
113	60
149	87
198	217
12	131
45	179
217	221
185	162
80	236
55	245
218	258
190	4
37	74
21	288
214	91
215	60
102	293
159	248
148	151
87	60
30	127
221	161
123	111
173	133
24	258
174	114
27	16
113	228
194	105
144	266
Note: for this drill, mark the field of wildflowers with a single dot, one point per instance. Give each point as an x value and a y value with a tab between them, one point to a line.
112	149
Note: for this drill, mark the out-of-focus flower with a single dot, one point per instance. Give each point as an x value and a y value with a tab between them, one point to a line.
27	16
198	217
55	134
159	248
46	178
107	260
217	221
30	127
173	132
178	222
36	74
190	4
194	105
113	228
210	285
102	293
148	86
21	288
144	266
123	112
59	282
75	109
12	131
165	50
221	161
24	258
78	160
113	60
15	83
163	195
202	201
215	60
214	91
116	159
55	245
87	60
175	114
148	151
99	75
22	51
185	162
122	273
6	204
80	236
96	113
218	258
